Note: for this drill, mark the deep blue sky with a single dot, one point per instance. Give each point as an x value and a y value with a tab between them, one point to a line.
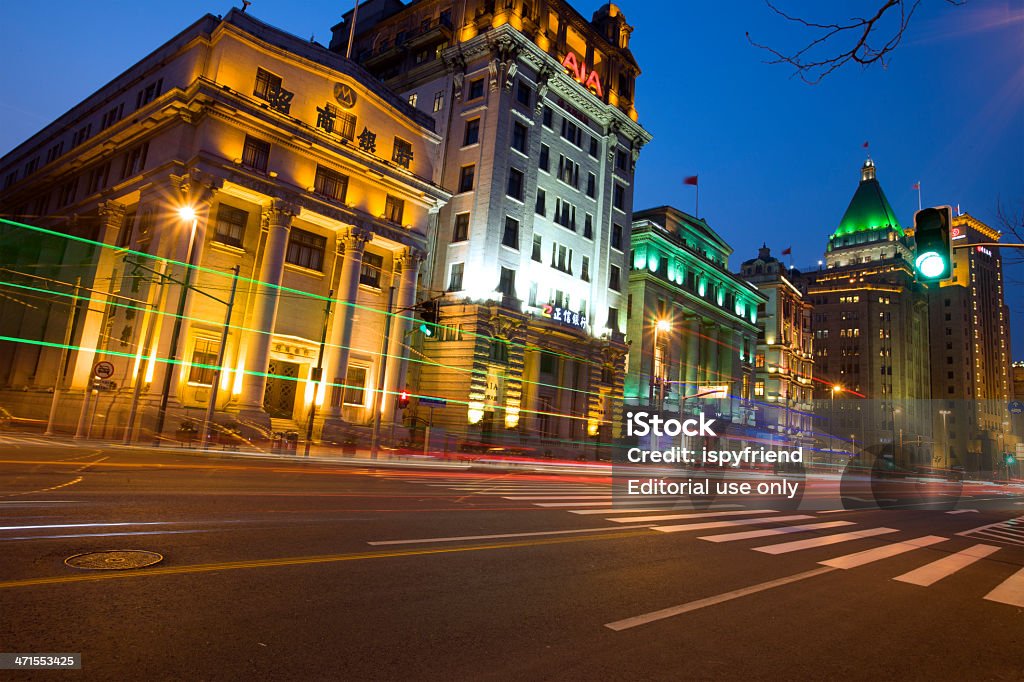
778	159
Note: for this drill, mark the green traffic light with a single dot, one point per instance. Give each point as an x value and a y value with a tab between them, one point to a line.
931	264
426	329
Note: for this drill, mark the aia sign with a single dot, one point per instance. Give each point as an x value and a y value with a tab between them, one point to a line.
578	70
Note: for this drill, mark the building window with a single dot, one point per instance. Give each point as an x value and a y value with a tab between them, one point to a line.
266	84
565	214
533	294
306	249
255	153
401	153
371	269
622	160
585	269
466	178
507	282
759	360
619	200
330	184
455	279
510	237
548	117
519	140
345	125
572	133
537	243
568	171
545	153
204	359
438	100
413	98
148	93
355	386
499	351
613	318
112	116
460	232
230	226
617	237
758	389
613	278
541	206
394	208
524	93
588	226
476	88
31	166
472	133
591	185
81	135
561	258
515	184
593	146
134	160
98	178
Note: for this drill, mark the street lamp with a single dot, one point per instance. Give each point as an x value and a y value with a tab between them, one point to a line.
836	388
661	326
186	213
945	438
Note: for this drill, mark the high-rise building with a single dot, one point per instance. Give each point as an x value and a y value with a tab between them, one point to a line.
692	324
535	105
784	362
234	144
870	325
970	350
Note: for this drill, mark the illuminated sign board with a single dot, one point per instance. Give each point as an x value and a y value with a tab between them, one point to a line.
578	70
982	249
566	317
957	232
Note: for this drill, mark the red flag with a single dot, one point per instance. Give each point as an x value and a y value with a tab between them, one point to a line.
865	145
787	251
917	186
690	180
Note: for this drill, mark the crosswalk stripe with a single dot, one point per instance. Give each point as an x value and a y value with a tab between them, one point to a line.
764	532
1010	591
884	552
697	515
929	574
532	498
668	506
727	524
797	545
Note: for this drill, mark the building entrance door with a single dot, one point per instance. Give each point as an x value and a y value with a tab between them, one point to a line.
279	396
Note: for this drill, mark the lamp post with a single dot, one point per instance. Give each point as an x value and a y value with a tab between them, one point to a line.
836	388
186	213
945	439
661	326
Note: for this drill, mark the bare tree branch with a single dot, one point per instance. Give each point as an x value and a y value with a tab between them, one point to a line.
860	40
1011	224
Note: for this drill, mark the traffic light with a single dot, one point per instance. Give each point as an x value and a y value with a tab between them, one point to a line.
403	400
1009	458
931	232
430	314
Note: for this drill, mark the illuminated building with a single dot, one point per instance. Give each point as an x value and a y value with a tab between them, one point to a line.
692	324
970	350
536	109
870	325
301	169
784	361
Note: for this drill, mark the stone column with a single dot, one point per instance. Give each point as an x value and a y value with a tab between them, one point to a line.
353	241
279	219
709	367
692	357
398	356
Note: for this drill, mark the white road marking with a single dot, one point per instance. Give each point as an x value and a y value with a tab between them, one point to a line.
603	529
797	545
635	621
884	552
103	535
964	511
764	532
697	515
669	506
1010	591
727	524
929	574
87	525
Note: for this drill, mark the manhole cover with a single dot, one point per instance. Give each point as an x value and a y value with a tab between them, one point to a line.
114	560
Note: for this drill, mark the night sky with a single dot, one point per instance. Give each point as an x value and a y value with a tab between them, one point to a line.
778	159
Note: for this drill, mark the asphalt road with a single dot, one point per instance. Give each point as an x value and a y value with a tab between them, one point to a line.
311	570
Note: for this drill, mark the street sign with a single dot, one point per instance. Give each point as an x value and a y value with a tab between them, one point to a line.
103	370
433	402
104	385
1016	407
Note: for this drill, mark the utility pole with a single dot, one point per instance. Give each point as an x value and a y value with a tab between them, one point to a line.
211	406
319	371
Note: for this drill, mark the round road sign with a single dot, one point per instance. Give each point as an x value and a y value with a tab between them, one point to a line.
103	370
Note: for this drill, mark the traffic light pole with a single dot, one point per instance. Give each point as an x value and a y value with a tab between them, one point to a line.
318	372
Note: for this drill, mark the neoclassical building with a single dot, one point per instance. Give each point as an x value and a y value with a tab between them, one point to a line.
692	324
536	107
238	148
